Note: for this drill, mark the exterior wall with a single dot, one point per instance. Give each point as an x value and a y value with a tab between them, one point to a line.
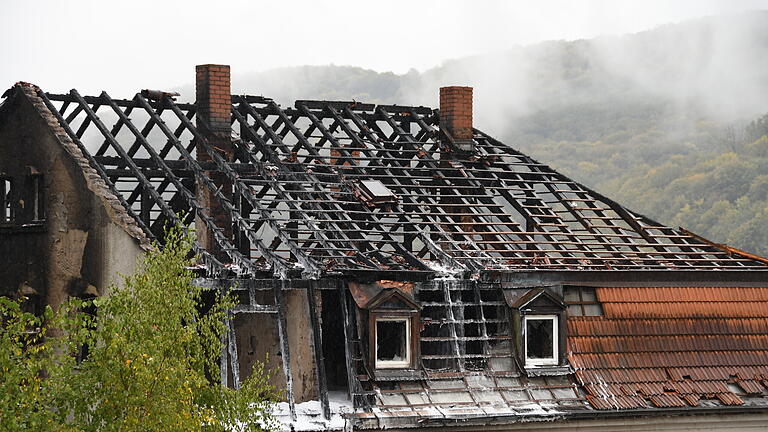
84	241
300	341
742	422
258	340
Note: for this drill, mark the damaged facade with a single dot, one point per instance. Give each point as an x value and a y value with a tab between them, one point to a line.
392	262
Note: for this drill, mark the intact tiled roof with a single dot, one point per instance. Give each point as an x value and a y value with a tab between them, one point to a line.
302	202
673	347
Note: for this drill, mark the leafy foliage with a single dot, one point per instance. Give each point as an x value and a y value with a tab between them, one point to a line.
151	363
24	396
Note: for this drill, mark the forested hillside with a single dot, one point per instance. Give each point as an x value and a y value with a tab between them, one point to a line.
658	120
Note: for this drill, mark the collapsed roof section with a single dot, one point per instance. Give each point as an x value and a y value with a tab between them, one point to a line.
328	187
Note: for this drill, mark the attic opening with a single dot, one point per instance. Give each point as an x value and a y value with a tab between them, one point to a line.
541	340
374	193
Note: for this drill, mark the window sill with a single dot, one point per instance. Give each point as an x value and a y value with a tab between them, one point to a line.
547	370
29	227
398	374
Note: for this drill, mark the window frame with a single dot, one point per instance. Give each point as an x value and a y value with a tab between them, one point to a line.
6	200
394	364
413	338
551	361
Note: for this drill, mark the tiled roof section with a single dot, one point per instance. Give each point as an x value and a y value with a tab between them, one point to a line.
302	202
673	347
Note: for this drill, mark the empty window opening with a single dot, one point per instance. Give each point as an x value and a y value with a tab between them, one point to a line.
541	340
6	212
334	351
582	301
392	343
37	196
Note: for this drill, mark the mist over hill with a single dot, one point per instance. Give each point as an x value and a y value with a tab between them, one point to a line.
659	120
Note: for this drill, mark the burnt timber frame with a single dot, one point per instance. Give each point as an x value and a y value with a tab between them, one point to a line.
298	218
297	168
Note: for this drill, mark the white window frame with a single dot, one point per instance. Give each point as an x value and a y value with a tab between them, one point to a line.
529	362
393	364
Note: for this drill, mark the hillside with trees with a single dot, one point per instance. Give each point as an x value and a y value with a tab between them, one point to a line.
669	122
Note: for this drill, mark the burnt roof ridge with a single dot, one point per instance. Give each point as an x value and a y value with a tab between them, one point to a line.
678	250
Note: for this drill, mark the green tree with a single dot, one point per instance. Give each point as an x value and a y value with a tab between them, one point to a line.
25	398
151	363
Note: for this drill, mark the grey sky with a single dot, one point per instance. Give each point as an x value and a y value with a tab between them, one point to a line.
127	45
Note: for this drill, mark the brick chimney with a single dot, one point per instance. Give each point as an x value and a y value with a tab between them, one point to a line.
456	116
214	106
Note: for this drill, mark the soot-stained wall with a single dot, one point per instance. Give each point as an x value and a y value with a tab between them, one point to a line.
85	239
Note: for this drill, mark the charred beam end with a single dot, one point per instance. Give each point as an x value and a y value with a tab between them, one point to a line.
320	105
407	109
251	99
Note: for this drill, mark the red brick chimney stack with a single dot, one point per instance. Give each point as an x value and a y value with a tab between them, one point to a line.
456	114
214	113
214	101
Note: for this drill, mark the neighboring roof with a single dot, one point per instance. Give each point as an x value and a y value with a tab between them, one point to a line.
673	347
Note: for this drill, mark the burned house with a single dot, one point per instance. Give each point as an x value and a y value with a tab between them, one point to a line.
397	267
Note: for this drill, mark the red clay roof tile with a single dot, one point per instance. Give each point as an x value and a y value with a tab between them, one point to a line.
671	347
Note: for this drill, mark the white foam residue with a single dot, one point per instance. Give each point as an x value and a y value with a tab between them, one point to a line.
309	415
444	272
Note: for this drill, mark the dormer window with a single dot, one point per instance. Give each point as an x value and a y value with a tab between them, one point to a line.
538	323
393	324
541	340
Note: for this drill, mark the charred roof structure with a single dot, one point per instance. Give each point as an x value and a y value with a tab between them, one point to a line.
431	273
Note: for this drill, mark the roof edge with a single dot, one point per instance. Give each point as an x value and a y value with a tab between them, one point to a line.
114	209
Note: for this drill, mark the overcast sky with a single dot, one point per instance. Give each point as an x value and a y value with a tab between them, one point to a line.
128	45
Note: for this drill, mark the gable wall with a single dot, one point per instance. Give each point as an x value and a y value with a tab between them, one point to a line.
82	243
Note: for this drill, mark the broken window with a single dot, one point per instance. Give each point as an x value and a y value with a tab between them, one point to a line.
393	348
582	301
22	200
35	196
6	211
541	340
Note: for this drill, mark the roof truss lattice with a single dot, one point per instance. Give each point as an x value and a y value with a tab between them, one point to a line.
297	203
